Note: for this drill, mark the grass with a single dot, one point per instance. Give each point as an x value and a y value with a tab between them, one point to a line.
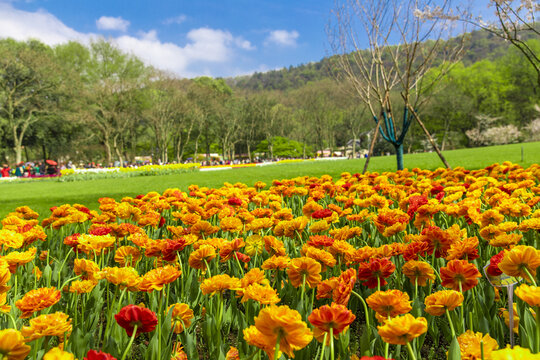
40	195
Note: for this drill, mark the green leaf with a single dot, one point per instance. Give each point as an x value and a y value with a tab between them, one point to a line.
454	353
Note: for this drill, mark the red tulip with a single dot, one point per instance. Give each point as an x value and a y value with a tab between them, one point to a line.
98	355
133	315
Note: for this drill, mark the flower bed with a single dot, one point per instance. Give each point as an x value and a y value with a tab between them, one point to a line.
117	172
410	264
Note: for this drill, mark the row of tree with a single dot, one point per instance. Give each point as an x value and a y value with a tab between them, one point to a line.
95	103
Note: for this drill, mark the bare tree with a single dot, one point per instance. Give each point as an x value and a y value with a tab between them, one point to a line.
384	47
513	21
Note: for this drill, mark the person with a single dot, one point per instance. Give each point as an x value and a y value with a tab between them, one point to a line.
19	170
42	168
52	170
5	170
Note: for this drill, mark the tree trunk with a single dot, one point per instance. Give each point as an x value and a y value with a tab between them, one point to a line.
207	144
271	148
177	141
17	144
117	150
399	156
371	147
18	151
107	151
249	151
196	147
445	135
44	150
224	148
354	146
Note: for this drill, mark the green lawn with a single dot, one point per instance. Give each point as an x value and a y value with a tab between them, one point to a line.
42	194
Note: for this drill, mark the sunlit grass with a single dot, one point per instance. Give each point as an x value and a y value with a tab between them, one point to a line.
41	195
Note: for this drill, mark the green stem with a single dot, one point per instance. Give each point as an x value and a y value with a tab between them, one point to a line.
160	317
332	343
529	275
482	349
276	351
537	329
303	290
411	352
68	281
130	343
62	267
120	300
365	308
208	268
109	317
12	321
239	265
462	310
451	324
323	345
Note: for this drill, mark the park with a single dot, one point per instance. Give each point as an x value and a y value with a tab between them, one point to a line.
382	203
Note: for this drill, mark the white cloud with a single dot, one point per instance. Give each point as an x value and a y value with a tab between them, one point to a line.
243	44
175	20
112	23
282	38
205	51
204	45
22	25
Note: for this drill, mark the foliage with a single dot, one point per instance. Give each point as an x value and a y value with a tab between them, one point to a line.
115	173
283	148
97	104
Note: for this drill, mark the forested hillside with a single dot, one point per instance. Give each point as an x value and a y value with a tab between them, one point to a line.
480	45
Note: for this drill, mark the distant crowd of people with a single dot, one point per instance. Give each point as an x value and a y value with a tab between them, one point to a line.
50	168
31	169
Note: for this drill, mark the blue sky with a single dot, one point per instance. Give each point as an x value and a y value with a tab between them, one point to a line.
189	38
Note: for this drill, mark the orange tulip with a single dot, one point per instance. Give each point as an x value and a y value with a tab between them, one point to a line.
389	303
438	303
521	261
12	345
304	267
529	294
418	271
459	275
36	300
56	324
470	346
281	322
402	329
335	317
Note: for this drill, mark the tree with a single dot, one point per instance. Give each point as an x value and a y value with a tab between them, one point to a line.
166	111
401	48
514	21
112	96
210	96
29	87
